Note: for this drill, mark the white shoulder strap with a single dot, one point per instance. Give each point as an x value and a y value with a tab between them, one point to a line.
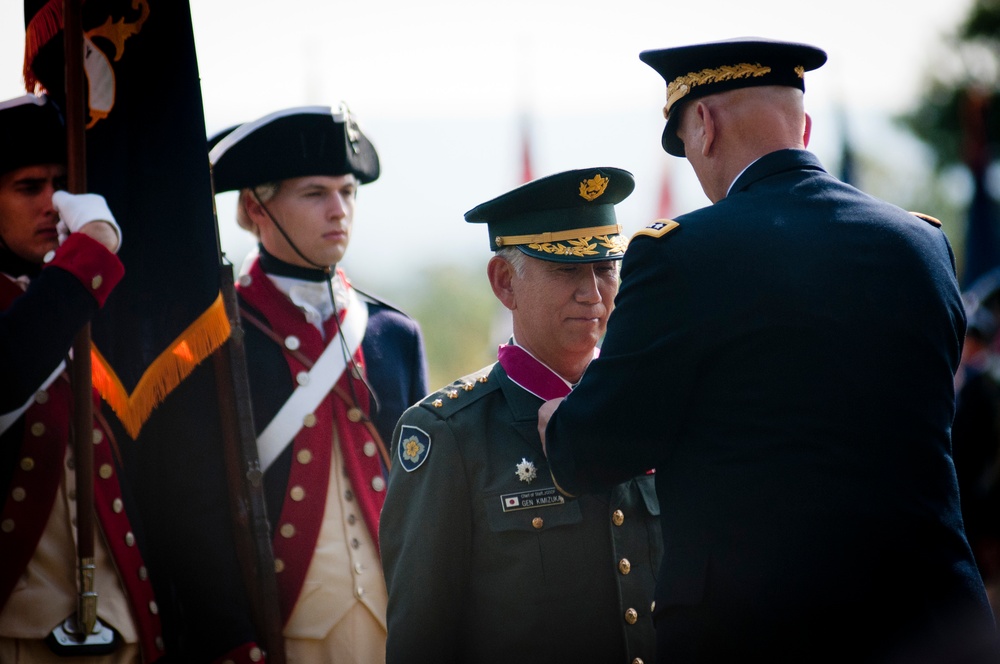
8	419
322	377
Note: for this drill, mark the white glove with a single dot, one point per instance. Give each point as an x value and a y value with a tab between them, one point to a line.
78	210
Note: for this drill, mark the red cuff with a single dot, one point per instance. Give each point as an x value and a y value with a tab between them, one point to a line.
248	653
91	263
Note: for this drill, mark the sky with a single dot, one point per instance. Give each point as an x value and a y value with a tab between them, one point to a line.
442	88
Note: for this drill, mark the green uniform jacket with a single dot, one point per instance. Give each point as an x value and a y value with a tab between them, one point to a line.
486	562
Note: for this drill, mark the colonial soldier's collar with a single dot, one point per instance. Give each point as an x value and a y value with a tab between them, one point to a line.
277	267
15	266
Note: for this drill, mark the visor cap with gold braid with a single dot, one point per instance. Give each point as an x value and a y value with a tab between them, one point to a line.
699	70
568	217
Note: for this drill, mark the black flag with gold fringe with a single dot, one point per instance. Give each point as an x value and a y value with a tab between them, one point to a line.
162	354
146	155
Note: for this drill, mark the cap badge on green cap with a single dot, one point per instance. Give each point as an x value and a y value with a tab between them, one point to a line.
594	187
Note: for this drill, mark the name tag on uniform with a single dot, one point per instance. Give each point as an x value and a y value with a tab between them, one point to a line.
524	500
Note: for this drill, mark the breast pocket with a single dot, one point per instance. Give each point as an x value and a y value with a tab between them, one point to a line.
538	535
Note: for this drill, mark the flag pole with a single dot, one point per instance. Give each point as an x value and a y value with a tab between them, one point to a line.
246	480
83	416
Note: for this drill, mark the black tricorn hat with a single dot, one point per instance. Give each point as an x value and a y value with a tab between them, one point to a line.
291	143
31	132
699	70
567	217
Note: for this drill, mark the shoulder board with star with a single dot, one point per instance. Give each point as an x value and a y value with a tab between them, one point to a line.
658	228
461	393
933	221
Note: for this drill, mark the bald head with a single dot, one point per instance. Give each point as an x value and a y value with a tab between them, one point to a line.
725	132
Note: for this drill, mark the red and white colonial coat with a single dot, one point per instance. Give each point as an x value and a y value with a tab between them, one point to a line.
41	311
391	359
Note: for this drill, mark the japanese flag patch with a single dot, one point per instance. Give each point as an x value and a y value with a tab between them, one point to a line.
413	447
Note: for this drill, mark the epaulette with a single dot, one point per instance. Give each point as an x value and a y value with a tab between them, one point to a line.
928	218
658	228
461	393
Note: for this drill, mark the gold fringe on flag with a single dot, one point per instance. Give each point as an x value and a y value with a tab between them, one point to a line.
44	25
174	364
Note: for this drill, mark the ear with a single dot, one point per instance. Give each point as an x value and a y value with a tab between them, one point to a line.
253	208
807	132
707	122
501	275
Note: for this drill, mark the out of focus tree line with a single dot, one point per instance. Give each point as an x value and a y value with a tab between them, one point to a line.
958	118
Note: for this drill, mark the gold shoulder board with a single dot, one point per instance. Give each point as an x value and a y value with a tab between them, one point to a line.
928	218
658	228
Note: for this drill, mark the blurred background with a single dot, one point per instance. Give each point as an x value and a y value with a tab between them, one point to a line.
465	99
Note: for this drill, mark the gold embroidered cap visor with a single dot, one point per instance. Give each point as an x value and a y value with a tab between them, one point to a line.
699	70
291	143
567	217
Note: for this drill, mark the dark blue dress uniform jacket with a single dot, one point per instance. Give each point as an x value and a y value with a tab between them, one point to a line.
473	577
785	359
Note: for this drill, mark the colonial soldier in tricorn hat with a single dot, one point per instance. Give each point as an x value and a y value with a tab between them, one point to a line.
331	370
485	560
785	359
58	265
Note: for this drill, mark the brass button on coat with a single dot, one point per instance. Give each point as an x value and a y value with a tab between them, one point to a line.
537	522
624	566
631	616
618	518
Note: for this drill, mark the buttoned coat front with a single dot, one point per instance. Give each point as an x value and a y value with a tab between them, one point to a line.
484	560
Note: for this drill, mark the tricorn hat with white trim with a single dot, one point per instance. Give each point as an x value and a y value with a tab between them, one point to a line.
294	142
